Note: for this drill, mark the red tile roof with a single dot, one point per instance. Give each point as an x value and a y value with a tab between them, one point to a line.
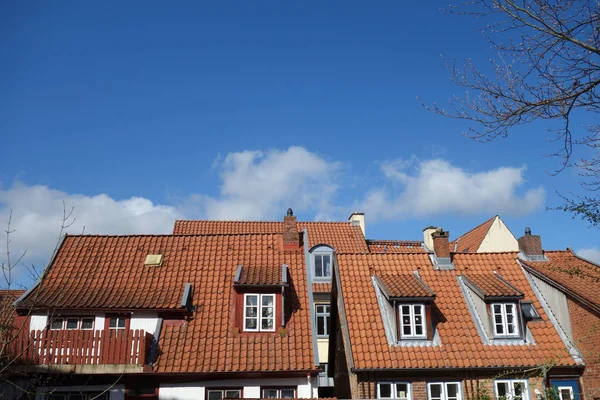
492	285
261	275
461	345
395	246
404	285
342	236
470	241
109	272
7	312
321	287
571	272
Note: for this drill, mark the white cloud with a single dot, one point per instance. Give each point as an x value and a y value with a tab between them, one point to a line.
255	185
433	187
592	254
258	185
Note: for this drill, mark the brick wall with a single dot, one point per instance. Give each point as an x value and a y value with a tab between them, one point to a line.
367	384
586	335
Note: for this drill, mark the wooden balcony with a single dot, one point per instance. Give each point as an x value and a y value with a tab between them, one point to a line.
82	347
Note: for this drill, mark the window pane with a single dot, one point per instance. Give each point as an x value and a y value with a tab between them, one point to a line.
87	323
509	308
435	391
327	265
499	329
56	324
232	394
320	309
320	326
267	312
451	391
288	393
405	310
565	394
113	322
497	308
518	388
215	395
251	324
267	301
72	323
502	389
252	300
385	390
318	265
267	324
402	391
418	330
121	322
269	393
251	312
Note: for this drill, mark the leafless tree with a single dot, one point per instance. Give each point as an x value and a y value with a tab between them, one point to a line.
548	68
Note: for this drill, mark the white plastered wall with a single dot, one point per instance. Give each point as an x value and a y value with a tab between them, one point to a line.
38	322
498	238
148	321
306	388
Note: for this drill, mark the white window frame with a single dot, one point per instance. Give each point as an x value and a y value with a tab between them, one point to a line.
393	389
117	328
223	392
322	254
259	317
326	315
262	392
503	315
444	390
63	323
561	388
511	388
412	323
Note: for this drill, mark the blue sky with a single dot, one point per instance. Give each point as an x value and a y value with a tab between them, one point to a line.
137	113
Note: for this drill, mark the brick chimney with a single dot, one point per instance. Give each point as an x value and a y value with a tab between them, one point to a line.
530	245
441	247
291	237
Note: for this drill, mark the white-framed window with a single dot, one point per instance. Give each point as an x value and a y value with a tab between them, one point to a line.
505	319
322	312
412	321
565	393
279	393
322	265
259	312
444	391
394	390
117	323
72	323
511	389
219	394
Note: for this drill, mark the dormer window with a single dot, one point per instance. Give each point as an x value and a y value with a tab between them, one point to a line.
259	312
412	321
321	259
412	300
260	297
496	303
505	319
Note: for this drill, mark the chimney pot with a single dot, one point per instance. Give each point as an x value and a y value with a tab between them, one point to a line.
527	231
290	212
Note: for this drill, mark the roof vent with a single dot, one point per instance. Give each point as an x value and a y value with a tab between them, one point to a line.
153	260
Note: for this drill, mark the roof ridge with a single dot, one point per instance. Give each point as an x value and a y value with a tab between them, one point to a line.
259	221
170	234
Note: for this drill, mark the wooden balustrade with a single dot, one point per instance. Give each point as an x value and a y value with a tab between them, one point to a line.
79	347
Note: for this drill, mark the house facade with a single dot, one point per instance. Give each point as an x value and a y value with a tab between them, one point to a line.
288	309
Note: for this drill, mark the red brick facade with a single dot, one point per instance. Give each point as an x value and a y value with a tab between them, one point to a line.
586	334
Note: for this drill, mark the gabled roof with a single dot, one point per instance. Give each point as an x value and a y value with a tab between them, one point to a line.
399	286
109	272
7	312
491	286
342	236
570	273
470	241
461	346
267	275
395	246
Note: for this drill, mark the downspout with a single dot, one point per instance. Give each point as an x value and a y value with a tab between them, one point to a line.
311	300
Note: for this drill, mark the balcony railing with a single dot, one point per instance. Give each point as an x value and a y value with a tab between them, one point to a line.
82	347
